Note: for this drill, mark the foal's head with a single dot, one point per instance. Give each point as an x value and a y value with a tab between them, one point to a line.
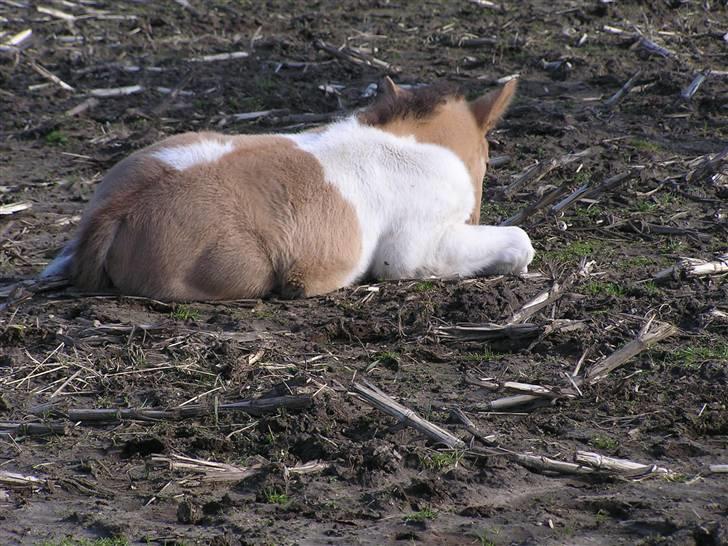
439	114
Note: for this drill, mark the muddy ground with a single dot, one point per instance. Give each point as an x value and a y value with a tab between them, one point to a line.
331	469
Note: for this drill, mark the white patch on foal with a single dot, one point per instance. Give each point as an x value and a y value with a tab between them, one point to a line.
412	201
189	155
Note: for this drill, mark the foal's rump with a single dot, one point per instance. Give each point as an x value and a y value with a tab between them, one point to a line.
256	218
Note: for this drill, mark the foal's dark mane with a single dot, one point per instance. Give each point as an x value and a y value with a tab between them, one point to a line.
417	103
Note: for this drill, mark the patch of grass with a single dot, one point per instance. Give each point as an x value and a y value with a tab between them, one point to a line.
603	442
649	288
56	137
589	212
695	355
441	460
638	261
492	211
422	515
576	250
486	355
388	359
672	246
275	496
85	542
677	477
185	312
604	288
424	286
582	177
601	517
645	145
644	206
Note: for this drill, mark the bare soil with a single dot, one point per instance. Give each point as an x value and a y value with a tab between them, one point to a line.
370	480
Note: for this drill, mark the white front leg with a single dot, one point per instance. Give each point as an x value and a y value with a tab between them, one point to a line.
466	250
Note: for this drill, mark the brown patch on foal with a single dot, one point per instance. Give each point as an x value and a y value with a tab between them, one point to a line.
439	114
258	219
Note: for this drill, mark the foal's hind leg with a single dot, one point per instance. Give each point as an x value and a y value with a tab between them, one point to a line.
313	278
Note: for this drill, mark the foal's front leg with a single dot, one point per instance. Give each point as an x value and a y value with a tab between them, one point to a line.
467	250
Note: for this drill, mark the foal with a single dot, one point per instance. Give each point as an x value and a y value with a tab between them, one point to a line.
391	192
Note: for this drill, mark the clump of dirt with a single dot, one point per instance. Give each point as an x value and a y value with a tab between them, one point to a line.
171	462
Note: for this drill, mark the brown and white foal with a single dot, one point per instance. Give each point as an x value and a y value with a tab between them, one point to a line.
391	192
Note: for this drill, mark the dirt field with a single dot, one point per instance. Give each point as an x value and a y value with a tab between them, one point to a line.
312	463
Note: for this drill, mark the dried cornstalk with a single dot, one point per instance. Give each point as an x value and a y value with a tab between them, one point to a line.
690	90
614	99
53	12
709	167
468	425
532	462
355	57
255	406
523	388
544	201
550	295
33	429
47	74
535	304
651	333
489	331
510	402
587	191
15	479
12	208
619	466
475	42
250	116
536	172
542	463
310	467
88	104
116	91
688	268
651	47
220	57
375	397
211	471
14	43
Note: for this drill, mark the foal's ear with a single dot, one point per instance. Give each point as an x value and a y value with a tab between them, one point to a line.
489	108
388	88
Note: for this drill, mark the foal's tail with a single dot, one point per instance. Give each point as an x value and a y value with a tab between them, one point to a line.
61	264
88	265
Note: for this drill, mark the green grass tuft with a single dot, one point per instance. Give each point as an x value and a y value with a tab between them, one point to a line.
424	286
576	250
419	517
602	288
693	356
441	460
185	312
603	442
275	496
56	137
484	356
